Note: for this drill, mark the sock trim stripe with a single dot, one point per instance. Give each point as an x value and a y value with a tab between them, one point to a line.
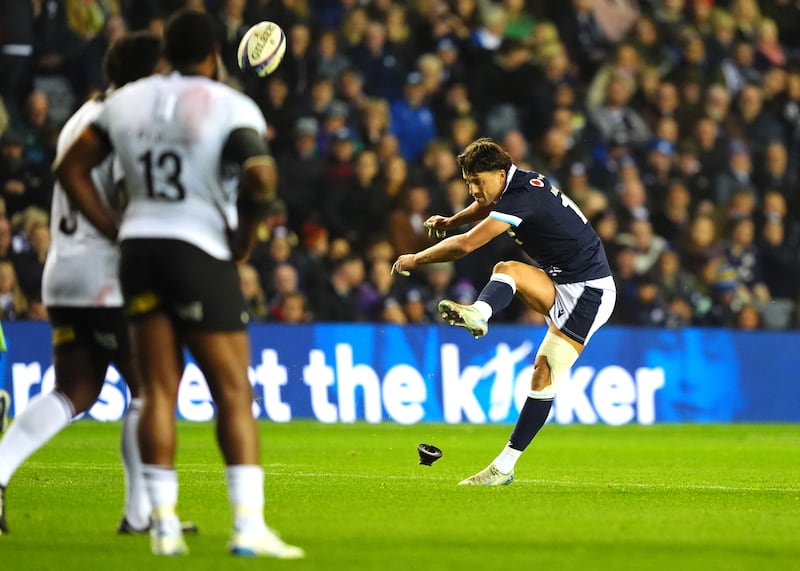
506	279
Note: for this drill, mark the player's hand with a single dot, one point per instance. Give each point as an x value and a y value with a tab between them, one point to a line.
404	264
436	226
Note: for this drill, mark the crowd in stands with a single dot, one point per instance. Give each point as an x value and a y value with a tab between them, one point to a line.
673	124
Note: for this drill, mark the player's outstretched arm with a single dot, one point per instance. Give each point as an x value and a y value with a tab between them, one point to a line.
439	225
74	172
451	248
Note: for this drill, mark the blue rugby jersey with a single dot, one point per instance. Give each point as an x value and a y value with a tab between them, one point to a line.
550	228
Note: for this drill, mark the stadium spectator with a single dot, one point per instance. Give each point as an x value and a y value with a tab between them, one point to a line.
615	120
302	175
737	175
13	303
675	283
254	298
285	279
22	183
88	80
335	300
281	110
671	217
700	245
297	66
358	208
329	61
57	46
17	42
381	296
350	90
587	41
742	254
748	318
382	66
374	121
779	248
772	172
406	223
230	28
293	308
412	120
757	125
395	175
39	133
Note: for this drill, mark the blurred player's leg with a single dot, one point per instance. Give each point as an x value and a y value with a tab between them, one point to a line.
223	358
79	377
137	503
158	357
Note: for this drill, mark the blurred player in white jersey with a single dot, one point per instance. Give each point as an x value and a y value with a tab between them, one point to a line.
200	178
82	293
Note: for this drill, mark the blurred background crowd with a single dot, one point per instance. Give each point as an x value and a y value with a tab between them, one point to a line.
673	124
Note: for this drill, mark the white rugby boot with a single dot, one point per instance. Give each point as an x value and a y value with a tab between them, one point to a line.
489	476
265	543
466	316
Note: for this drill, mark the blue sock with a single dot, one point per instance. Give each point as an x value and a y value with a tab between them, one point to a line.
531	418
498	294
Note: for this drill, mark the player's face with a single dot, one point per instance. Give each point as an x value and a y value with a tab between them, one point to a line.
485	187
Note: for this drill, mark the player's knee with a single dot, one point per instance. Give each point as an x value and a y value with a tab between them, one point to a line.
553	362
504	268
541	374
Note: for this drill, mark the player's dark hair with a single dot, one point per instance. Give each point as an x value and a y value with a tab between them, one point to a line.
132	56
188	38
484	155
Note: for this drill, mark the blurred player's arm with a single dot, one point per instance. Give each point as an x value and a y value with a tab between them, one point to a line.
74	172
438	225
257	184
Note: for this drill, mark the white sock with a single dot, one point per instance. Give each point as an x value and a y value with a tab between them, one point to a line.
246	494
162	488
137	502
44	417
507	459
483	308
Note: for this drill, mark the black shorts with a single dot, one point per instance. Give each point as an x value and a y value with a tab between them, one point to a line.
199	292
101	330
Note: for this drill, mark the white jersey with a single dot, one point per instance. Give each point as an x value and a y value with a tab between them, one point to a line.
169	132
81	266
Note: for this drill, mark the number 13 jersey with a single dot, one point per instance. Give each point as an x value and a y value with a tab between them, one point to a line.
169	132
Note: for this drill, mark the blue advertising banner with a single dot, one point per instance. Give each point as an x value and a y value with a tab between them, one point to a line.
411	374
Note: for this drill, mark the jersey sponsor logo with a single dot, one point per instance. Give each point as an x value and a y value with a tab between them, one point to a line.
537	182
144	303
106	340
63	334
192	311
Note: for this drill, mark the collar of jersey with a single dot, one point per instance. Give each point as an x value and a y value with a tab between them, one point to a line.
511	172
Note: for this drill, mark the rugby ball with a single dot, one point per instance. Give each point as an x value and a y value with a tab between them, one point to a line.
262	48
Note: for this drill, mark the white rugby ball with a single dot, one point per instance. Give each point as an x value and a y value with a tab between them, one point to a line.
262	48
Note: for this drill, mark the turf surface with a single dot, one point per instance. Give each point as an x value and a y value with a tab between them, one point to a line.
586	497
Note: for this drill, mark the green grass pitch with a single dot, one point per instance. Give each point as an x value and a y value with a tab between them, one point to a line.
672	497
